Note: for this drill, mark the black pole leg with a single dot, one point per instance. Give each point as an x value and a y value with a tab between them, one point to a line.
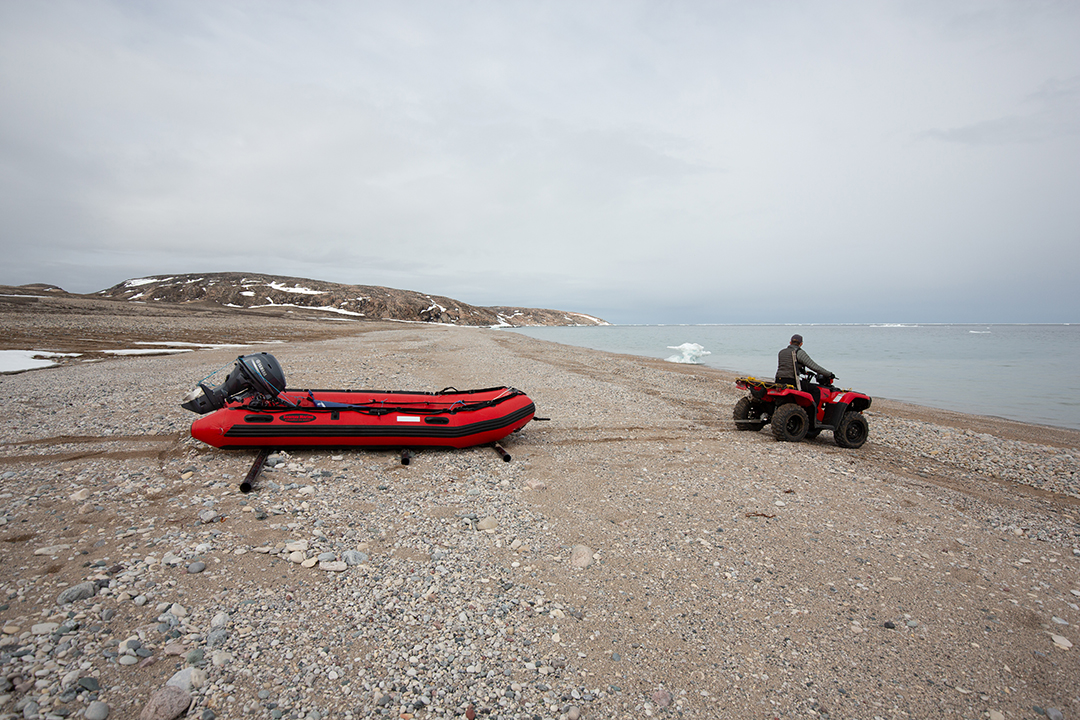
406	456
502	452
256	467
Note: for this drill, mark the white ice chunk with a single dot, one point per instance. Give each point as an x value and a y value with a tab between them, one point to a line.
691	353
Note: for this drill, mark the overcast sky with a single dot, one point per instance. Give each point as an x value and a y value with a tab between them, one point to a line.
640	161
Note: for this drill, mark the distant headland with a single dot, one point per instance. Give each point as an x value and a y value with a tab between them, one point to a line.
259	292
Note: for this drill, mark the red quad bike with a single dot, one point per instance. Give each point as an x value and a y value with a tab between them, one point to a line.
793	416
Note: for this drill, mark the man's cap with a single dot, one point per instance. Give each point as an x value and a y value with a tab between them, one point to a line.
796	338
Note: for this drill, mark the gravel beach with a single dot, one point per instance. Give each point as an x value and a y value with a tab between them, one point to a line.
639	557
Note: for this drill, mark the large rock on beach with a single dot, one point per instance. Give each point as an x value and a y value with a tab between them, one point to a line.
168	703
77	592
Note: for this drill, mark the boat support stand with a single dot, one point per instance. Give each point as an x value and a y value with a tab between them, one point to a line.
408	455
501	451
248	483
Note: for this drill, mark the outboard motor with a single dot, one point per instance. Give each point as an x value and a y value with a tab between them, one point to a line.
258	374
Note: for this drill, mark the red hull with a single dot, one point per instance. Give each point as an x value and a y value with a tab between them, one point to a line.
368	418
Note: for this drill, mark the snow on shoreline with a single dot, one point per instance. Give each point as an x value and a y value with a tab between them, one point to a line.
19	360
14	361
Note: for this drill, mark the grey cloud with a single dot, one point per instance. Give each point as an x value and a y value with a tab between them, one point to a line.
1057	115
628	160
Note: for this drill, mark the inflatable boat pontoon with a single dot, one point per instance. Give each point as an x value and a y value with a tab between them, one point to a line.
253	409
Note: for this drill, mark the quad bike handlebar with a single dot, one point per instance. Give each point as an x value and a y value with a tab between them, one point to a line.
822	379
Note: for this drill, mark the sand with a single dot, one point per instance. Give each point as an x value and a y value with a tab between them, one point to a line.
933	572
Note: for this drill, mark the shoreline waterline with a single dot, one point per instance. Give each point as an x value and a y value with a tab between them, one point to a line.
1018	372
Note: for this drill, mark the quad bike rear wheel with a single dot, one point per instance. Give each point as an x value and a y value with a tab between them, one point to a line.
747	415
790	423
852	430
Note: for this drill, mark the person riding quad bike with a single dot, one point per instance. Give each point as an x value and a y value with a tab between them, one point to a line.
792	366
798	408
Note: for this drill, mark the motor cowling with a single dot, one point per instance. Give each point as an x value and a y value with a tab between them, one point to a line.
255	374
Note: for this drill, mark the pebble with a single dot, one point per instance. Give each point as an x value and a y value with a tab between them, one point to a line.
581	556
188	679
96	710
354	557
52	549
196	567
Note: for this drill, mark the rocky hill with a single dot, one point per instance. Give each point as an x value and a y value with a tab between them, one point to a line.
251	290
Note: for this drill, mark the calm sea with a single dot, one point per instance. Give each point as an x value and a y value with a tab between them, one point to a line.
1029	373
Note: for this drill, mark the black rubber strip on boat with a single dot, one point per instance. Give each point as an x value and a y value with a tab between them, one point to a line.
376	431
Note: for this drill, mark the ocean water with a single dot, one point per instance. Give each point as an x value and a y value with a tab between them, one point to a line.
1029	373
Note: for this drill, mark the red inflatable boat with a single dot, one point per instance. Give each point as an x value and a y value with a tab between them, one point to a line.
252	409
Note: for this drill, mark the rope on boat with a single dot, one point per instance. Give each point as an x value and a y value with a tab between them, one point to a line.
214	373
380	407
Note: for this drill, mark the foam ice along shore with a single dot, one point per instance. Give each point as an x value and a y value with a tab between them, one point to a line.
691	353
19	360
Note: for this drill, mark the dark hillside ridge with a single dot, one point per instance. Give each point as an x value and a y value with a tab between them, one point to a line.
359	302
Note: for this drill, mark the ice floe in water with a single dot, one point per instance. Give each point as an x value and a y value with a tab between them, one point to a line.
691	353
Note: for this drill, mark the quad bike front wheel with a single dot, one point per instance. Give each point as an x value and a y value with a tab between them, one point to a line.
747	415
790	423
852	430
